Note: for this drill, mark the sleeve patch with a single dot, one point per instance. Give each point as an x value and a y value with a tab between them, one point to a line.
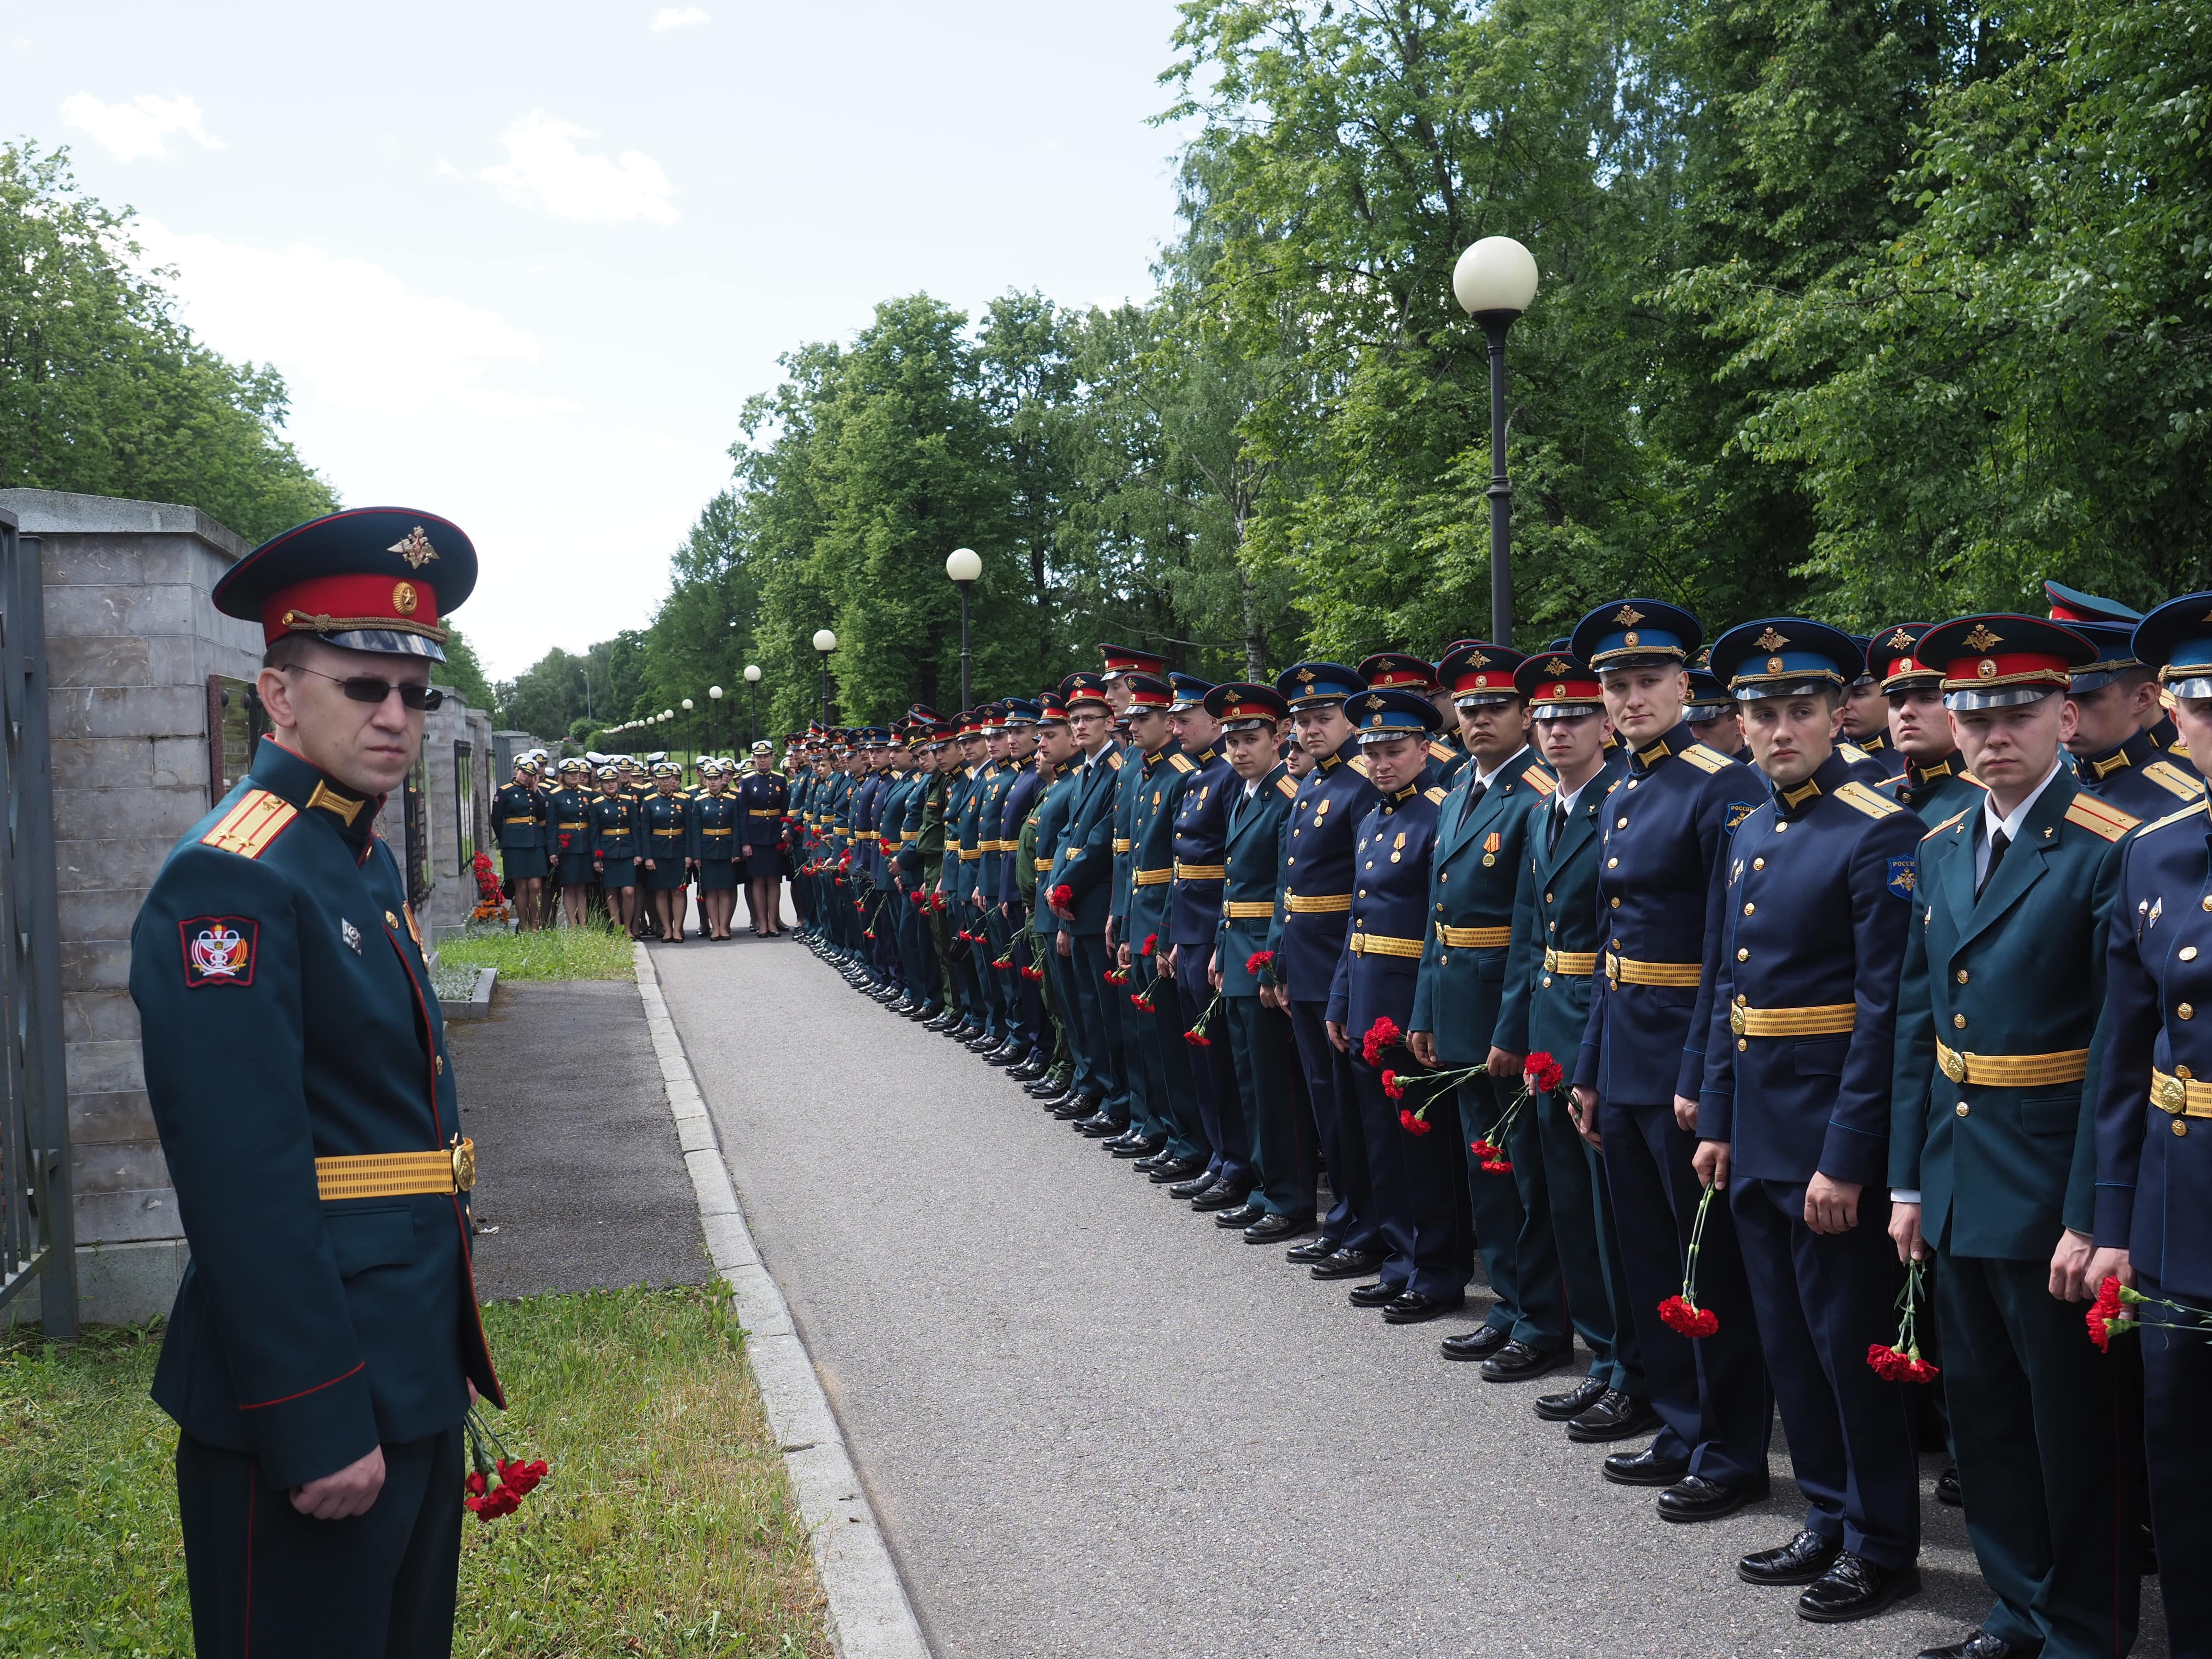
2100	819
219	950
1707	759
1738	811
1857	794
1901	874
248	828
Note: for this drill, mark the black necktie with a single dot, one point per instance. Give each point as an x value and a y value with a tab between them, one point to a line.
1558	822
1998	843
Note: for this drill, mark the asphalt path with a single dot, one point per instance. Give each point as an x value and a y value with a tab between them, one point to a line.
1091	1423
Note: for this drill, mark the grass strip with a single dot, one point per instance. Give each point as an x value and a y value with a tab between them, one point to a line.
664	1527
588	952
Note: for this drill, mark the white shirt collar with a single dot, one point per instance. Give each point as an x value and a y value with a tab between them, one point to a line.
1482	778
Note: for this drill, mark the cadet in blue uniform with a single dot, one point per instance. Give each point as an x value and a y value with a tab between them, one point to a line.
325	1342
1933	781
1417	1175
1642	1061
2115	758
1060	1093
571	835
613	842
1028	1052
1083	864
1545	1008
1992	1148
766	799
1481	842
717	824
1262	1050
1792	1116
1307	940
2153	1203
1711	715
1400	671
2071	605
1866	713
519	822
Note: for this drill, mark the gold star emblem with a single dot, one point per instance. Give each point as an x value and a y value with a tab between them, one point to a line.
1628	616
416	549
1770	640
1981	639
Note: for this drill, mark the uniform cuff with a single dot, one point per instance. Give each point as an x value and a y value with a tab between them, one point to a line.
313	1434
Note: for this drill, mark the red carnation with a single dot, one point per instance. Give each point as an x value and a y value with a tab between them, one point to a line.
1382	1036
1542	1073
2106	1318
1197	1040
1393	1085
1260	961
1888	1364
1146	948
1688	1318
1496	1166
1484	1149
1411	1124
1061	897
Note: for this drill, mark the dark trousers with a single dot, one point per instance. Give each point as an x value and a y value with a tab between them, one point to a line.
1351	1218
1512	1215
1158	1080
1419	1187
2044	1427
1588	1248
1264	1057
1824	1299
1711	1392
1212	1071
270	1582
2176	1382
997	995
1100	1007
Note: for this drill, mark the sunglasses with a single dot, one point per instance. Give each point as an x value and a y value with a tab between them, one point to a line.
367	688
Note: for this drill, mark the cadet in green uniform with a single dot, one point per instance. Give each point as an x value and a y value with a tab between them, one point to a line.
325	1344
518	822
1934	782
612	841
571	838
665	826
718	821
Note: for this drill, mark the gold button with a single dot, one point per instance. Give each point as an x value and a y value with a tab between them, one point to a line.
1547	898
1547	979
2208	901
1779	828
1759	864
1748	909
1293	859
1960	1109
1444	877
1620	824
441	1062
391	921
1962	976
2187	953
2182	1073
1741	1045
1615	904
1743	956
2185	1011
2180	1127
1612	864
1959	1020
1551	927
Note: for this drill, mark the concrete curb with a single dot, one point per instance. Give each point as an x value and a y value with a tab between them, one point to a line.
870	1617
478	1005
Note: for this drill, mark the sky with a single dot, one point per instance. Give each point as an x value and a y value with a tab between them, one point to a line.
521	265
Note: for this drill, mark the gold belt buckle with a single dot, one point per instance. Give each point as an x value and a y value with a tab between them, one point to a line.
1613	969
1736	1016
1951	1062
465	1164
2169	1094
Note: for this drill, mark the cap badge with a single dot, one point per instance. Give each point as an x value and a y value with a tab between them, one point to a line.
403	599
416	549
1981	639
1900	640
1774	665
1628	616
1560	690
1770	640
1305	677
1478	660
1558	666
1986	669
1629	638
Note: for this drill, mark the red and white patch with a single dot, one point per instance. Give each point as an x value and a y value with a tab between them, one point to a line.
220	949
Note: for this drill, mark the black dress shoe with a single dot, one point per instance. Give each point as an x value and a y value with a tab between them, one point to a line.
1313	1250
940	1021
1946	1488
1150	1161
1176	1170
1978	1644
1098	1126
1136	1146
1240	1218
1003	1058
1802	1559
1644	1469
1479	1343
1558	1407
1517	1362
1194	1186
1374	1295
1347	1264
1074	1108
1616	1416
1416	1308
1028	1072
1219	1196
1693	1497
1274	1229
1856	1588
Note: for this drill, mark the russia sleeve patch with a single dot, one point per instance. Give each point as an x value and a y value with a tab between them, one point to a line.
1900	876
219	950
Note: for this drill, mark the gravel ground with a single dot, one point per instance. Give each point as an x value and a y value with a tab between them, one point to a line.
1092	1424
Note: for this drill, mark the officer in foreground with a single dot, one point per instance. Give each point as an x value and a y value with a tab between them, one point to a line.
325	1344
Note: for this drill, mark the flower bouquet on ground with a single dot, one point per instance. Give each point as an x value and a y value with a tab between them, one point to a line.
1901	1362
496	1483
491	903
2110	1315
1682	1313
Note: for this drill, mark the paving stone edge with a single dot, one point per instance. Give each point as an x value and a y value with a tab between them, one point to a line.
870	1617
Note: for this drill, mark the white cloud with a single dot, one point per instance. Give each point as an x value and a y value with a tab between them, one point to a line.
545	170
673	17
347	331
141	127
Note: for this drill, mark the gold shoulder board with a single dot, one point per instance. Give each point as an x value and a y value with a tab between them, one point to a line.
1706	759
2098	818
248	828
2173	779
2193	813
1614	785
1433	793
1182	762
1443	751
1857	794
1114	760
1539	779
1290	790
1951	823
1968	777
1359	763
1852	753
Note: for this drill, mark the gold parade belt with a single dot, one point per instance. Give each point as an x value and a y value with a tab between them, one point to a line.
1152	878
1043	865
1583	963
767	813
1829	1019
1200	871
1320	904
1383	945
2012	1071
2180	1097
714	832
1475	938
967	857
1248	909
1680	975
396	1174
1120	845
521	820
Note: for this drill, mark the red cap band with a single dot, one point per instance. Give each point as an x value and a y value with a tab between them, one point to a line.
335	604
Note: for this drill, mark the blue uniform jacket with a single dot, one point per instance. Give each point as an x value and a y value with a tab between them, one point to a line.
1125	840
1053	804
664	827
2155	1162
2020	971
1375	979
1313	907
1201	826
990	822
1252	858
2139	778
567	822
1084	861
288	1015
1817	897
768	801
1474	878
1545	1007
1154	784
1014	812
1663	831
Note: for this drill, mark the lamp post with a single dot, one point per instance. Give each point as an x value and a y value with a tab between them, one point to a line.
714	707
825	643
963	565
752	696
691	731
1494	281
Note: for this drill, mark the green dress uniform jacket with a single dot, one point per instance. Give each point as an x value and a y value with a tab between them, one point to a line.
1084	862
288	1017
1153	784
569	825
614	820
1252	879
1935	792
1055	802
